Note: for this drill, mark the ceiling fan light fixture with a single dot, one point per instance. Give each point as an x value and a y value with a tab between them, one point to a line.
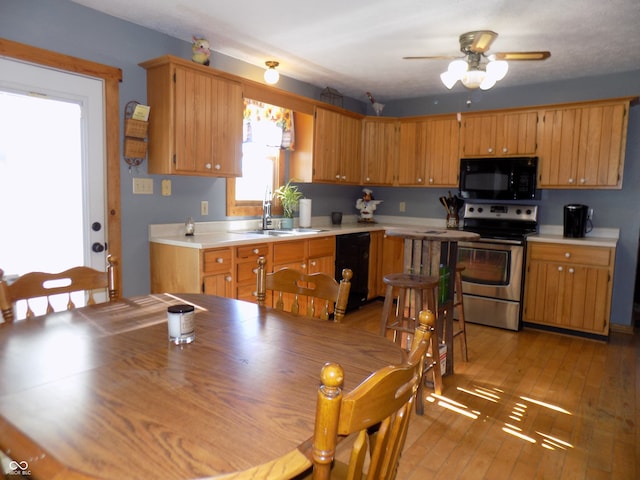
456	70
472	79
271	75
497	69
449	79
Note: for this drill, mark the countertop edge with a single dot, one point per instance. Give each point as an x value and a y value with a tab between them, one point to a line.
585	241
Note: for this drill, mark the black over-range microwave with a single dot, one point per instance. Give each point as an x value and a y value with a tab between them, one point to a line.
509	178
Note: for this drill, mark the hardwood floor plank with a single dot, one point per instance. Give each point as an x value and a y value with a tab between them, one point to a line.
585	428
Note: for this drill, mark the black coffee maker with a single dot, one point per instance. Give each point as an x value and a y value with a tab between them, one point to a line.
576	220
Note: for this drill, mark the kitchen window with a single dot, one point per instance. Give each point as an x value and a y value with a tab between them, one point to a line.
267	134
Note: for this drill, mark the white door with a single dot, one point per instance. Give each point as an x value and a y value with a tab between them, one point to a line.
52	164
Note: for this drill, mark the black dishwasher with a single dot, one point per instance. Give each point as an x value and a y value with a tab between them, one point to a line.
352	251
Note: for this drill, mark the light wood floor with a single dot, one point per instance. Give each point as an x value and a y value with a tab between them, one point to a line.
530	405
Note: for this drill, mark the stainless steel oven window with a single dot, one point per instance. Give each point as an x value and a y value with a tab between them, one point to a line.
486	266
492	270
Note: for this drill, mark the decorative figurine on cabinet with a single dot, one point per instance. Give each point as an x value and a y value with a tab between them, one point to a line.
367	205
200	51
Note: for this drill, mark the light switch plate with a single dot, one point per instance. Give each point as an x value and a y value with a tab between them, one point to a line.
143	186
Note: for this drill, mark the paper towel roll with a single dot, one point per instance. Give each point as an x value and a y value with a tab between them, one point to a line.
305	212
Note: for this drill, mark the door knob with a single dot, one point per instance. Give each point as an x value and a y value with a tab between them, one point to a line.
97	247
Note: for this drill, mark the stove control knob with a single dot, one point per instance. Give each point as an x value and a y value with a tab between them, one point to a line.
528	211
480	209
518	211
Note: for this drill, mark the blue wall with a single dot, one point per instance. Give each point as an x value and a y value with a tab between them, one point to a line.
65	27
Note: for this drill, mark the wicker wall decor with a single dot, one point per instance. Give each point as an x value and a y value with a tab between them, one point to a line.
135	135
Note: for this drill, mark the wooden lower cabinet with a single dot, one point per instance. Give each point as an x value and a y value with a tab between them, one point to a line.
376	254
386	255
569	286
172	270
217	278
322	255
246	268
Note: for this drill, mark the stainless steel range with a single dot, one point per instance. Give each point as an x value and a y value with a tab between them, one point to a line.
493	278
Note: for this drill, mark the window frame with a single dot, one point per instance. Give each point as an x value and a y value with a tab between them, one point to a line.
246	208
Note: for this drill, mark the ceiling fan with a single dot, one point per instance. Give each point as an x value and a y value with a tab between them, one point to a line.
477	69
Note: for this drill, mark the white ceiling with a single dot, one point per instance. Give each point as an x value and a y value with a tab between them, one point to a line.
357	46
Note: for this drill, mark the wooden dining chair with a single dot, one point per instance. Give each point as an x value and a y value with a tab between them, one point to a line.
321	291
33	285
376	413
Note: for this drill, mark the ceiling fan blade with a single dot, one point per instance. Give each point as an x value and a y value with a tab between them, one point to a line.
432	57
481	40
522	55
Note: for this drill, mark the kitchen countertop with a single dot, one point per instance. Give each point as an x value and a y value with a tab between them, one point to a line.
227	234
233	233
598	237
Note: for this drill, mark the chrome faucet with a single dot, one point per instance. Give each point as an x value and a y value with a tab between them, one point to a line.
267	221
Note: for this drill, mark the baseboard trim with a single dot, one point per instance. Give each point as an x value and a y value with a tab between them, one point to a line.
628	329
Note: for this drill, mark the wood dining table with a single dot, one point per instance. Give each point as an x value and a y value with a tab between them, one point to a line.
100	392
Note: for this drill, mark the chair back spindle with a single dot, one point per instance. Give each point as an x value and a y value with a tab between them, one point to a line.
35	285
300	292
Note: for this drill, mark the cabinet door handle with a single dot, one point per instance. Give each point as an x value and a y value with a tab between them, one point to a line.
419	180
505	149
303	266
571	270
207	166
313	263
560	269
583	181
256	251
490	150
367	179
218	166
255	270
227	278
338	176
567	254
344	177
571	180
431	180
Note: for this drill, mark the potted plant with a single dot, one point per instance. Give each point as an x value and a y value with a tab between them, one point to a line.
288	195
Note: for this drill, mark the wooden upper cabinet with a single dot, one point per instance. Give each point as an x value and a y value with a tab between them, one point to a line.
351	157
442	151
379	141
336	150
583	146
412	144
499	134
195	125
428	152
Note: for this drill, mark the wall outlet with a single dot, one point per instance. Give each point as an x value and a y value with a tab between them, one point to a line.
143	186
166	187
204	208
403	206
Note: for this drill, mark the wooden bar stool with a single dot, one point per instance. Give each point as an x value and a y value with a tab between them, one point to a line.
414	294
459	328
458	313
